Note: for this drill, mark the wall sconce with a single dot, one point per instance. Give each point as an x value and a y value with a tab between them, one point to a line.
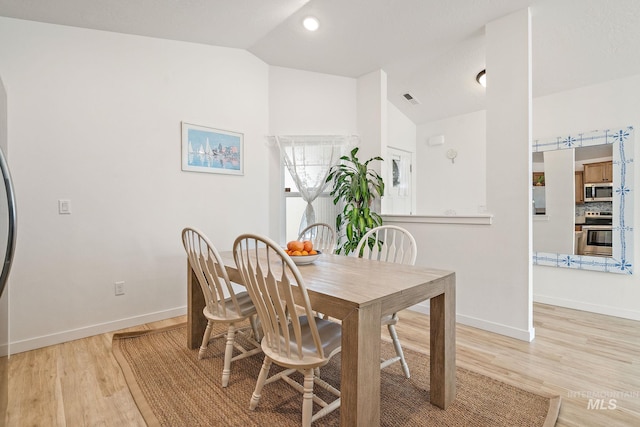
452	153
481	78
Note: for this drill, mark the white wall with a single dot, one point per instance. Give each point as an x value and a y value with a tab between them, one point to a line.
509	171
401	136
373	119
305	103
401	130
94	117
460	186
3	119
492	262
556	232
610	104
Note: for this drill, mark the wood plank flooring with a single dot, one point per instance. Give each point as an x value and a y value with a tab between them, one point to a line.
577	355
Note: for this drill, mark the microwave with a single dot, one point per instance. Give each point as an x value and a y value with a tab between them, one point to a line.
601	192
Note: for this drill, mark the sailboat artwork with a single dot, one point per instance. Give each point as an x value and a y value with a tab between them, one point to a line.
211	150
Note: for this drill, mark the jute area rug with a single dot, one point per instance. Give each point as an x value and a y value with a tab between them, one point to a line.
173	388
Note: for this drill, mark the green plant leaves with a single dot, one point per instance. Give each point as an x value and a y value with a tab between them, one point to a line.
356	186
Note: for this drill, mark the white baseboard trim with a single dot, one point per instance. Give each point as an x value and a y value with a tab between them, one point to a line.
87	331
585	306
498	328
486	325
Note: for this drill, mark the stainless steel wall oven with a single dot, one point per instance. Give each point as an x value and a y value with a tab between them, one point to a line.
598	234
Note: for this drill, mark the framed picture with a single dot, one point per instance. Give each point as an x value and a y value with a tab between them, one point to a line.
206	149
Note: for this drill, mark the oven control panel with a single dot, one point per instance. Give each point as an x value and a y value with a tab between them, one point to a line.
598	214
598	218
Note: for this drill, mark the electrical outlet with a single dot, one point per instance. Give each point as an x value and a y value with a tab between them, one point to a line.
119	288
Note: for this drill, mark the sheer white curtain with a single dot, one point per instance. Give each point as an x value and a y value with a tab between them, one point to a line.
309	159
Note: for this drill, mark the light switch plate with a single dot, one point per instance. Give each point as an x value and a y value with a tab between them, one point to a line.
64	206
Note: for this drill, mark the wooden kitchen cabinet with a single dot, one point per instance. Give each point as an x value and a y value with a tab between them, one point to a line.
579	182
598	172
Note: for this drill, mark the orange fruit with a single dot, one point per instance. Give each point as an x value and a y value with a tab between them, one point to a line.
308	245
295	245
313	252
296	253
305	253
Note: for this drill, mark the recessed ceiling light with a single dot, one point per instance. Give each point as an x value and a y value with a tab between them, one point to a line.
311	23
482	78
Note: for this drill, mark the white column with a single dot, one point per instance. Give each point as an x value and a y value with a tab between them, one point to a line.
509	114
372	120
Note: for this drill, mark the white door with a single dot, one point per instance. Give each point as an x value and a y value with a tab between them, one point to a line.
398	189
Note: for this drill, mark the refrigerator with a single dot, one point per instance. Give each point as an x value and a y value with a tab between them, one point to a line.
7	245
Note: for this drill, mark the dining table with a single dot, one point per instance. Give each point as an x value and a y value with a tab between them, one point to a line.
358	292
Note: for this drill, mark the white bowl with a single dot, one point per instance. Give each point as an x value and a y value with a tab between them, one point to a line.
305	259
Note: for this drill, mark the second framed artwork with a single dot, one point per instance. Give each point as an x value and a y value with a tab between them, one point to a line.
210	150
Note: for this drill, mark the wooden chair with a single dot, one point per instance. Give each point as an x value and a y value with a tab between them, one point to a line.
223	305
322	236
294	337
390	243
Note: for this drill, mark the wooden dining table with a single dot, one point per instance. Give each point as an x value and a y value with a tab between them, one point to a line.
358	292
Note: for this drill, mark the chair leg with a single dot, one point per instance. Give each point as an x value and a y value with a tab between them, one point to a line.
262	377
398	348
228	354
205	339
307	398
255	328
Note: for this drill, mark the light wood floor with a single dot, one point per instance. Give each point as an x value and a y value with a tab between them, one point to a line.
576	355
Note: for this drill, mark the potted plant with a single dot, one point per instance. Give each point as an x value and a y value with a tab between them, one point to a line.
356	186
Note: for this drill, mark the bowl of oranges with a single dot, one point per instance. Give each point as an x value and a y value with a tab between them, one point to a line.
302	252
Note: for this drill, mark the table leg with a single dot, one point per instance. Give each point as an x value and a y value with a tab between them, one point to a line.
196	322
360	376
443	346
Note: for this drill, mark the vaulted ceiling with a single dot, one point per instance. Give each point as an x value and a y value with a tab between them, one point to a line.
432	49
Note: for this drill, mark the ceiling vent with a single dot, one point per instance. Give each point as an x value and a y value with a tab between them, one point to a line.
410	99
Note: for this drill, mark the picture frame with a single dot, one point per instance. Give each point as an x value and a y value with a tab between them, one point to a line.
211	150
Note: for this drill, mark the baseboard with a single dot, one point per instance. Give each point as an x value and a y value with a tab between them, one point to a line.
584	306
486	325
87	331
498	328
